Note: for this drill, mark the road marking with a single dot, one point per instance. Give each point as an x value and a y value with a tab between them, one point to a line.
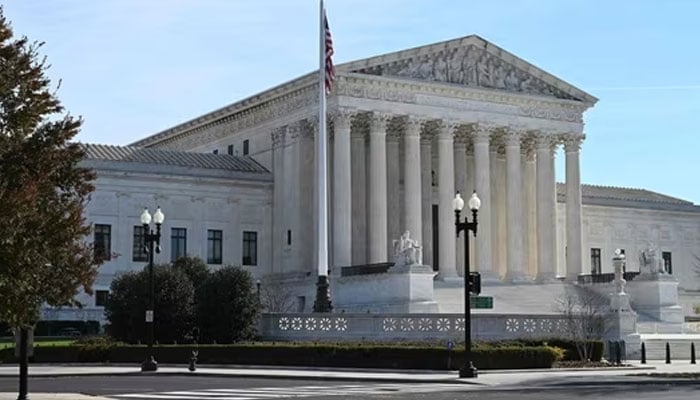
290	392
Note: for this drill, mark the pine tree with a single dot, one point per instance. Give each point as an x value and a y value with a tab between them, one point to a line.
44	257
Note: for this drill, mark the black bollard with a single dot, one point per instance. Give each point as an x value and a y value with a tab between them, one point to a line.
692	353
644	353
193	361
668	353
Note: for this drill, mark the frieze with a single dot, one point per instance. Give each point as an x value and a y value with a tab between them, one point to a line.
257	115
387	90
469	66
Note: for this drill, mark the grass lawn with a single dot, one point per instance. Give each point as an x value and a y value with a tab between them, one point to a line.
6	342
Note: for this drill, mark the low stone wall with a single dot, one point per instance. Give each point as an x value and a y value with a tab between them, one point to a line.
408	327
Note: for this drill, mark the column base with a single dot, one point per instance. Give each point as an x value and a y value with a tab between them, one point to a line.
517	277
448	278
489	277
323	296
546	277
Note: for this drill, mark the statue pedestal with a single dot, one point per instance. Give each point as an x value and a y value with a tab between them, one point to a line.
656	296
402	289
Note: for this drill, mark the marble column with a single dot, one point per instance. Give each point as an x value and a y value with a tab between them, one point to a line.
482	182
530	208
377	189
460	157
446	193
546	210
426	190
358	177
499	233
574	251
394	198
278	200
342	199
469	188
305	237
514	209
412	179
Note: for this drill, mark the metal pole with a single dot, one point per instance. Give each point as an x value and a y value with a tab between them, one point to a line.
152	295
322	303
467	300
468	370
23	363
150	363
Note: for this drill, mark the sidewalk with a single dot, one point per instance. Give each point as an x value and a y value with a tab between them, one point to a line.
488	379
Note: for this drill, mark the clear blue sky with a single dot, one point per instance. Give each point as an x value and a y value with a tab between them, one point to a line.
134	67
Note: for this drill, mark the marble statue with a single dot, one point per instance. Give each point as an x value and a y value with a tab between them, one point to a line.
650	262
407	251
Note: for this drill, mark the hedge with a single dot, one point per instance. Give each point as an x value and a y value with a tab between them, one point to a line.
316	355
567	345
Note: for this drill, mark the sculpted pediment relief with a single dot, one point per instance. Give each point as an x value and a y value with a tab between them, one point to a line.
470	66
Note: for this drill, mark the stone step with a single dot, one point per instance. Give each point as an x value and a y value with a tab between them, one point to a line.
679	345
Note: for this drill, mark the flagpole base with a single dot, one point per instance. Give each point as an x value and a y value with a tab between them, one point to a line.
323	297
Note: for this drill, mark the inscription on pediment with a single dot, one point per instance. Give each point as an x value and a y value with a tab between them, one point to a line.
470	66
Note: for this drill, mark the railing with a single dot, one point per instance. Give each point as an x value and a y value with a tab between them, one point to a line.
378	327
367	269
605	278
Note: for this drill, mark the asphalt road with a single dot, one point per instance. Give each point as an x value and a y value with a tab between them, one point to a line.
233	388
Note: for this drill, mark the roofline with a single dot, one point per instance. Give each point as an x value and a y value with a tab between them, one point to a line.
309	80
232	108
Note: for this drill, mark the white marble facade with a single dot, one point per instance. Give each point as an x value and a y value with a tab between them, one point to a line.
408	130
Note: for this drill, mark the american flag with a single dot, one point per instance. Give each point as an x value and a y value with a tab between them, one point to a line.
330	69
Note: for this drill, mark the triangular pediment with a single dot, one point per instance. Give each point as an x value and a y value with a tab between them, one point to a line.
470	61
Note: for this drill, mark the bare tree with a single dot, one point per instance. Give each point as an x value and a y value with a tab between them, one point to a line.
584	312
276	297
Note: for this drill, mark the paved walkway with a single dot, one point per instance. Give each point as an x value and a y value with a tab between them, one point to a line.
487	379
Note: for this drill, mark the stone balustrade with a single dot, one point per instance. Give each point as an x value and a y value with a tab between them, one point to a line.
410	327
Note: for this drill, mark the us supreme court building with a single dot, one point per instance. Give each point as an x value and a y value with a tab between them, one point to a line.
407	130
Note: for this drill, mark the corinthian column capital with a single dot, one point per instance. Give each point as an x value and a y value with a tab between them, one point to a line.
342	118
378	122
572	142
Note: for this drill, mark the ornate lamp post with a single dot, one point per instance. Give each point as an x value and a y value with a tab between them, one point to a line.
468	370
151	243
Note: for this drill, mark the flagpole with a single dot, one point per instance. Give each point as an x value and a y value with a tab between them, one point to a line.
322	303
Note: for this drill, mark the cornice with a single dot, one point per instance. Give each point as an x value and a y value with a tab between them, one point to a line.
413	92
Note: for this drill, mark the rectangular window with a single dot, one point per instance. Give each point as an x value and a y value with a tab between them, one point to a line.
214	239
215	151
103	241
178	243
101	297
595	262
245	147
668	265
230	149
139	246
289	237
250	248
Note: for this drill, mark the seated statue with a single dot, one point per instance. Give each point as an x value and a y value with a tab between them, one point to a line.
407	251
650	262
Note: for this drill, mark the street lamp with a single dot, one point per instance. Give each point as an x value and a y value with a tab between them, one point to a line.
468	370
151	242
